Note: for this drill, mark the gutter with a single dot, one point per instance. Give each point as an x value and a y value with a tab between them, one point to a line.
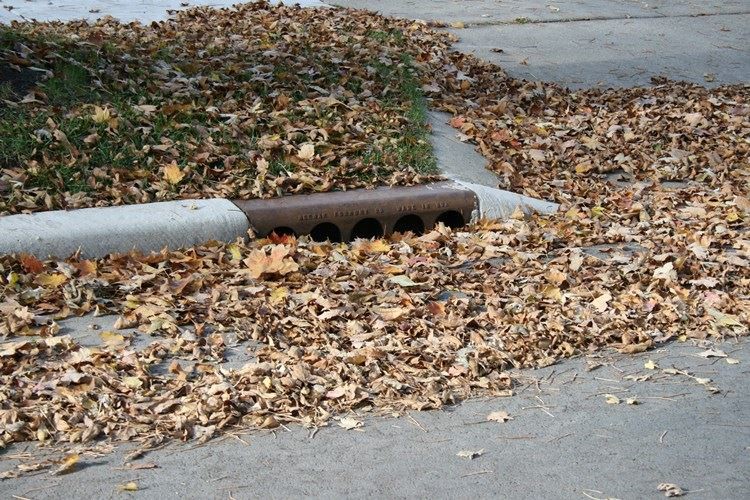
334	216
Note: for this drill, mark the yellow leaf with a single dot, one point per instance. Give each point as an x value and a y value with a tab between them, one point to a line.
112	339
279	294
235	252
173	174
553	293
50	280
583	167
132	382
67	465
101	115
131	486
611	399
650	365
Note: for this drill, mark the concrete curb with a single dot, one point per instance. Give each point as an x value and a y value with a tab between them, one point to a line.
101	231
97	232
499	204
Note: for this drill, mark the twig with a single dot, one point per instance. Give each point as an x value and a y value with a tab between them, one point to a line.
416	423
235	436
477	473
516	437
591	497
559	437
667	398
540	407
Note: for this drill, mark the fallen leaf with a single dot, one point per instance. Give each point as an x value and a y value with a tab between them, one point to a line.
130	486
51	280
670	490
650	365
101	115
67	465
723	319
173	174
712	353
470	454
611	399
600	303
306	152
112	339
403	280
31	264
350	423
499	416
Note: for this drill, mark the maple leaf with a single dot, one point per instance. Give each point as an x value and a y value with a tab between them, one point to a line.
173	174
278	262
306	152
31	264
101	115
51	280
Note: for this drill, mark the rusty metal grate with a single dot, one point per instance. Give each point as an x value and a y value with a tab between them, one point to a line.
363	213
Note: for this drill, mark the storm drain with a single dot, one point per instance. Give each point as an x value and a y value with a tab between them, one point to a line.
364	213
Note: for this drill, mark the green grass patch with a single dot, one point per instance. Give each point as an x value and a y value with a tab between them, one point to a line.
71	85
413	148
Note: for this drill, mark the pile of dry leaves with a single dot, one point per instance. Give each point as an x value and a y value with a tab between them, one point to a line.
414	321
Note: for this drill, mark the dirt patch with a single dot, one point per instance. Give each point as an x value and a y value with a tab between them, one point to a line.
16	82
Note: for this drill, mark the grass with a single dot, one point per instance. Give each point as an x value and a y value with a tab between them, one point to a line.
71	85
56	147
413	149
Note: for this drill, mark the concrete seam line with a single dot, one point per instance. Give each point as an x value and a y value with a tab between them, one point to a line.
101	231
500	204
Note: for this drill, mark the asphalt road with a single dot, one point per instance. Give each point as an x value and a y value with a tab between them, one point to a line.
564	441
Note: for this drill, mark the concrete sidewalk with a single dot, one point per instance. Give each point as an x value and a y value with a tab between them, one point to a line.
586	43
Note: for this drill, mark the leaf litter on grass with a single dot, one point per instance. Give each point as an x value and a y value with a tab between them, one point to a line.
369	325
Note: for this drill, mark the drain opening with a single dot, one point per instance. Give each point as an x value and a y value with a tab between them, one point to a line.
326	232
409	223
282	231
452	219
367	228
